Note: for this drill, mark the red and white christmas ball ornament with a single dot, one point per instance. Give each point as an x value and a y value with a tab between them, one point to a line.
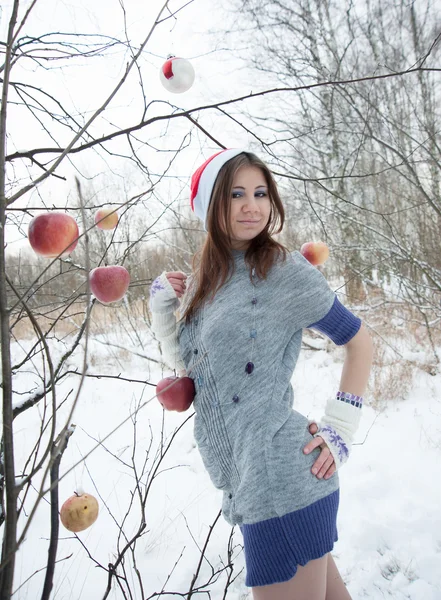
177	74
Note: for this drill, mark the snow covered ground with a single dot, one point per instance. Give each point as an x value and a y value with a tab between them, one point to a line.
390	512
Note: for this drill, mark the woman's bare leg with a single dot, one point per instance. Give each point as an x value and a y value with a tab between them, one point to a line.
335	586
309	583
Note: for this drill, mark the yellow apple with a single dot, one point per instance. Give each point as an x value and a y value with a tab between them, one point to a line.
79	512
316	252
106	218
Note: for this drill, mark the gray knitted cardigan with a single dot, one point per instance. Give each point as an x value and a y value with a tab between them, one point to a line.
250	437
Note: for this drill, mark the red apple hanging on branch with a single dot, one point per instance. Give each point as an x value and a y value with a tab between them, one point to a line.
106	218
79	512
52	234
316	252
175	393
177	74
109	284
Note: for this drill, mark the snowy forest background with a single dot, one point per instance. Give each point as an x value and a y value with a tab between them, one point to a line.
342	100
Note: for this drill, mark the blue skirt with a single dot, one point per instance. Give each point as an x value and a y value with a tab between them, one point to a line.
274	548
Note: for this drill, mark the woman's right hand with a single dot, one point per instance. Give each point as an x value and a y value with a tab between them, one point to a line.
177	280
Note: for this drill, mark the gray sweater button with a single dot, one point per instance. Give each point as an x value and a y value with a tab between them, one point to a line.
235	398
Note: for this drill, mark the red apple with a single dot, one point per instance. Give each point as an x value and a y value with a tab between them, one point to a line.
79	512
51	234
106	218
175	393
109	284
316	252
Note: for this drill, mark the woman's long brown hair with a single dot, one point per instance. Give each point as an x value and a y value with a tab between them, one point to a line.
213	265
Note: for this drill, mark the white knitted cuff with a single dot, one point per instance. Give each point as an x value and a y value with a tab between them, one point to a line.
163	303
164	325
337	428
171	354
162	295
165	328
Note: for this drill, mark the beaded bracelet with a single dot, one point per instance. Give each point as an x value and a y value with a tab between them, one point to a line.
350	399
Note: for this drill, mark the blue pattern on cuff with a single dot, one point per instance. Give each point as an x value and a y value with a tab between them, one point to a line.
337	441
156	287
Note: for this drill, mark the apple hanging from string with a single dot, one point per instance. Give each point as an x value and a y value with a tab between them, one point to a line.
177	74
175	393
53	234
106	218
316	253
79	512
110	283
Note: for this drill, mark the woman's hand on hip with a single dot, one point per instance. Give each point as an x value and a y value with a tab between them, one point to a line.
324	466
177	281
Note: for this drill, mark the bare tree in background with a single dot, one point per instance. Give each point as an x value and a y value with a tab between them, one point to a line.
51	296
364	156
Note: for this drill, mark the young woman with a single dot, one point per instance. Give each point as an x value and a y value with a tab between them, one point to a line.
243	312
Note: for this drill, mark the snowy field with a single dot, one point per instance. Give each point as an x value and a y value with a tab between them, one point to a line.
390	512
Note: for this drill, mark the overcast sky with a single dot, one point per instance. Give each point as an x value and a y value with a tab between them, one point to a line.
82	86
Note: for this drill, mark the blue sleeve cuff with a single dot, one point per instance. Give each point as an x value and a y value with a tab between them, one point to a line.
339	324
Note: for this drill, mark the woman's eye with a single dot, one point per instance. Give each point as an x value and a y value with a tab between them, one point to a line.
261	194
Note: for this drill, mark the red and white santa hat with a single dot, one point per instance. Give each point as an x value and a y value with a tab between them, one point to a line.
203	180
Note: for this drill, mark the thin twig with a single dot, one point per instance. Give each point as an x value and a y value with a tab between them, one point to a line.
59	447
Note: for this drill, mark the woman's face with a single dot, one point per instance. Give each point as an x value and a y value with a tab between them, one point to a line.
250	206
